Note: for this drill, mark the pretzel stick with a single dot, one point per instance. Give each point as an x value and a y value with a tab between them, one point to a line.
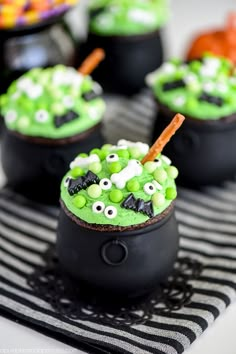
164	138
92	61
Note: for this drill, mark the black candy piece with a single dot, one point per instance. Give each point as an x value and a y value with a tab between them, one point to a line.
218	101
173	85
75	185
90	95
138	205
65	118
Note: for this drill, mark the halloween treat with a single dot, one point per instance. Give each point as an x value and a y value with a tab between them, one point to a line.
129	33
204	90
117	232
50	114
18	13
221	42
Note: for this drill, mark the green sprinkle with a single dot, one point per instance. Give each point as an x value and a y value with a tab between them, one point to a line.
106	147
134	152
94	191
57	108
76	172
101	153
150	166
160	175
114	167
171	193
79	201
123	153
95	167
158	199
133	186
115	196
172	172
83	154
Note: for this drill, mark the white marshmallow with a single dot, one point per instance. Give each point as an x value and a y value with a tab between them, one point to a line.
84	162
143	148
133	169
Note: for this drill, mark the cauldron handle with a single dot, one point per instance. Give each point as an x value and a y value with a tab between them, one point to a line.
114	252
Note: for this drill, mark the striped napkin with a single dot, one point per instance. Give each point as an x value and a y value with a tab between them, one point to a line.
207	226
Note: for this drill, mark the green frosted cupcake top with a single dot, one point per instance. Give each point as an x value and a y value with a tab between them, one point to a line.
110	186
203	89
125	17
52	103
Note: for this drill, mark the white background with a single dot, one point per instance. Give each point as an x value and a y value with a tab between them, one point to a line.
188	17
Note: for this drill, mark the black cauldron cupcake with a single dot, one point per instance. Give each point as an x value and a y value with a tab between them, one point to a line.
205	92
50	115
129	32
117	231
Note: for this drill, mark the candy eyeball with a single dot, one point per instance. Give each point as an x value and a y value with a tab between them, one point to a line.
41	116
149	188
68	102
105	184
67	181
110	212
98	207
158	162
112	158
11	116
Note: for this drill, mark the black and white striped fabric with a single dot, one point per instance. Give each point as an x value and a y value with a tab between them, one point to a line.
207	225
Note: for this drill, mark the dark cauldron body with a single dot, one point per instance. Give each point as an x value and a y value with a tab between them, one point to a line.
203	151
119	262
128	60
35	167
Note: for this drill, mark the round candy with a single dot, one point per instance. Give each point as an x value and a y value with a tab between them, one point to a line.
114	167
158	199
79	201
160	175
116	196
133	186
41	116
134	152
123	153
94	191
171	193
76	172
101	153
95	167
150	166
172	172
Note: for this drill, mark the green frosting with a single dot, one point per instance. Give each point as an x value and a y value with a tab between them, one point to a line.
203	89
52	103
119	174
125	17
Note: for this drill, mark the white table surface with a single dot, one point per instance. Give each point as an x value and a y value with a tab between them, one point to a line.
188	17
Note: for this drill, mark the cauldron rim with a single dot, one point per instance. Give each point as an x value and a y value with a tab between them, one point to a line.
223	123
131	230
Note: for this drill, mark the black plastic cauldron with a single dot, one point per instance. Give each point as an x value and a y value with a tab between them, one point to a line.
203	151
118	261
35	167
128	60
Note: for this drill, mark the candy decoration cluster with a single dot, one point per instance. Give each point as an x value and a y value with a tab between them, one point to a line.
111	186
203	89
17	13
